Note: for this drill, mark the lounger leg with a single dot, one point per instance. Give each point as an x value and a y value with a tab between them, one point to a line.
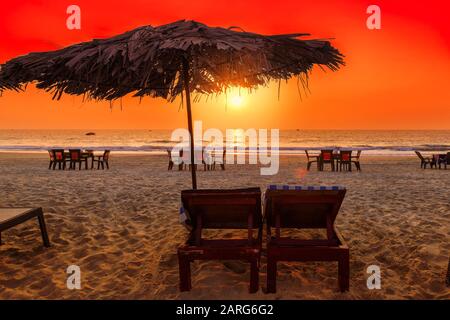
107	165
344	272
185	273
254	276
447	281
271	275
43	230
0	238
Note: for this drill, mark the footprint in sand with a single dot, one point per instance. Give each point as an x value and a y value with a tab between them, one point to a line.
235	266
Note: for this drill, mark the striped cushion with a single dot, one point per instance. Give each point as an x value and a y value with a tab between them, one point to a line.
184	218
310	188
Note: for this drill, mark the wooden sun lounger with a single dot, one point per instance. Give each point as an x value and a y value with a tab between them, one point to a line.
222	209
304	209
10	217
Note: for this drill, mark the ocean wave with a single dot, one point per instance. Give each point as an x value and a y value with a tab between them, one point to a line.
282	149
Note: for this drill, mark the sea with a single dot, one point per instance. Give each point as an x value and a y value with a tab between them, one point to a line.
290	141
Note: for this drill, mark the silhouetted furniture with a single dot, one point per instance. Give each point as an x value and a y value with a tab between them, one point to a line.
207	160
222	209
102	160
170	166
88	154
186	156
219	159
345	160
355	160
172	162
75	157
52	159
443	159
311	159
59	159
326	156
424	161
304	207
10	217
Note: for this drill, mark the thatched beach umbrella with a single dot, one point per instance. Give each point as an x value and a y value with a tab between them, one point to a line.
164	61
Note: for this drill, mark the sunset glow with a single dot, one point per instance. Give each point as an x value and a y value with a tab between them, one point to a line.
236	101
391	75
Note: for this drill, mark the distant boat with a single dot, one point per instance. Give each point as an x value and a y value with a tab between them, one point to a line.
90	134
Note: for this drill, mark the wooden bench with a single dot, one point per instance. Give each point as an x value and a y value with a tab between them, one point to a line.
10	217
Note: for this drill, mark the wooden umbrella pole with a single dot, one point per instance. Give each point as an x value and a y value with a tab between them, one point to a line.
189	115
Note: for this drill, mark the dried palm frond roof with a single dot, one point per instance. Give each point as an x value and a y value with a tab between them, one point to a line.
148	61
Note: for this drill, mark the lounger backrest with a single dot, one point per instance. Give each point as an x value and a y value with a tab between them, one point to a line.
51	154
358	154
419	155
75	154
326	155
302	208
106	155
59	154
345	155
448	157
224	209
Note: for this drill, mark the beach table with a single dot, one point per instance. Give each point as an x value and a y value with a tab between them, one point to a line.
10	217
84	154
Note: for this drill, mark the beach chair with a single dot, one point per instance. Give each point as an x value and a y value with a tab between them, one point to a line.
170	166
300	208
443	159
102	160
10	217
355	160
311	159
222	209
52	159
345	160
220	160
59	159
326	156
424	161
75	157
207	160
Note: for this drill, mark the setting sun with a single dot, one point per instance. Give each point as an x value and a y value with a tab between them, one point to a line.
236	101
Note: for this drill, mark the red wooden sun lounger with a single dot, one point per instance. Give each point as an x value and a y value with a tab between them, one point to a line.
222	209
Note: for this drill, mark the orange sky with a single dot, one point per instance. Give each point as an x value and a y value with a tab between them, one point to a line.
395	78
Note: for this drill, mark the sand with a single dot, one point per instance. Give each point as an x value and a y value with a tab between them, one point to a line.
121	227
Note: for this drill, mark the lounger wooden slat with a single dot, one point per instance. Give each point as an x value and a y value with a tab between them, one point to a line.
10	217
